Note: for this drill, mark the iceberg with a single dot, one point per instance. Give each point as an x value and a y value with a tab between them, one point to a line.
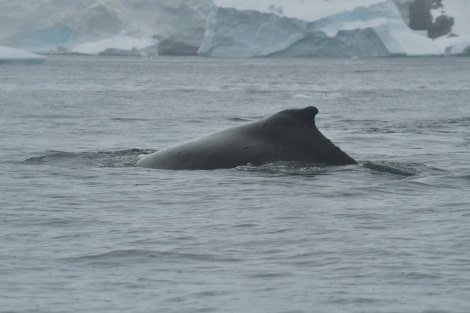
233	33
181	25
19	56
374	30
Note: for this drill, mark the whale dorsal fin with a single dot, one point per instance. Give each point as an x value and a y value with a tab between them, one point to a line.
305	115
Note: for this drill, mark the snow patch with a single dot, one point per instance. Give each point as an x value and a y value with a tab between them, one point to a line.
119	45
460	11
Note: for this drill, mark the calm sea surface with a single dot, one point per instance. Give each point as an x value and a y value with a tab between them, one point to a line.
84	230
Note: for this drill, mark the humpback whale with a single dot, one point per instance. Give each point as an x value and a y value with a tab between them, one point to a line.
289	135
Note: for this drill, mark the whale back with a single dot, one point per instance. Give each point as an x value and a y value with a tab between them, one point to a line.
289	135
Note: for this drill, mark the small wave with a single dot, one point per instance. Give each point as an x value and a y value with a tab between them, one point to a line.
266	274
464	176
284	168
129	119
301	96
139	255
245	225
446	125
238	119
365	71
395	168
117	159
115	254
257	91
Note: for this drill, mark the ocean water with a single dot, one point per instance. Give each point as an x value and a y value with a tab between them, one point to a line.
82	229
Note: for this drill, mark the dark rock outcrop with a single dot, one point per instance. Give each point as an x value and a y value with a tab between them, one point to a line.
421	18
441	27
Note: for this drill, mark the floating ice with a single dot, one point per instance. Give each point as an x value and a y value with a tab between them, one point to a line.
19	56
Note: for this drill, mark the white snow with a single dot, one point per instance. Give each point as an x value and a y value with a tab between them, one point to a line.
10	55
120	44
460	11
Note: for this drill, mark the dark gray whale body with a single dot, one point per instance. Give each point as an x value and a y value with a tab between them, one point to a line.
289	135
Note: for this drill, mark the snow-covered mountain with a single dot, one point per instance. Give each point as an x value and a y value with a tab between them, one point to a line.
238	28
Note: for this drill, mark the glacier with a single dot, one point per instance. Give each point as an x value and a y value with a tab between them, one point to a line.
230	28
10	55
